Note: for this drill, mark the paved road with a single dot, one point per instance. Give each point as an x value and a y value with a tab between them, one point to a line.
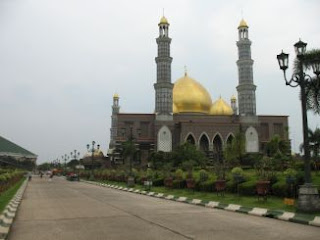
60	210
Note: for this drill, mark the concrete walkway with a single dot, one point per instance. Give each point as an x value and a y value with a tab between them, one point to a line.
71	210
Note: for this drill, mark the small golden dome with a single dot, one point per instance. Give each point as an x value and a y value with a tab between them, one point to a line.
220	107
243	24
97	153
163	20
116	95
233	98
189	96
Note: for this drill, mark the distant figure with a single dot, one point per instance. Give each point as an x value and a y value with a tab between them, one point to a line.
51	176
29	176
41	174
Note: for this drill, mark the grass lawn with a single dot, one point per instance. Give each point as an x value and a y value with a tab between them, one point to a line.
272	203
6	196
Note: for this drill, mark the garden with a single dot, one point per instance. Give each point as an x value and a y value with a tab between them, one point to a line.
236	177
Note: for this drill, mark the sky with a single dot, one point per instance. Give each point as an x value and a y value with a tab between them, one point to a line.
61	61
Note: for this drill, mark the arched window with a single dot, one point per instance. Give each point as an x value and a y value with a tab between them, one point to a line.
230	139
204	143
190	139
217	148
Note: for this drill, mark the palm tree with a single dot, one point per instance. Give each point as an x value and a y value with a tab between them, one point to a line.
313	87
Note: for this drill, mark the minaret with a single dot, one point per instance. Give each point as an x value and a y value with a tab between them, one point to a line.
163	87
114	120
233	101
246	89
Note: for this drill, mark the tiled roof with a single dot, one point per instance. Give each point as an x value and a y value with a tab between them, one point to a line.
8	148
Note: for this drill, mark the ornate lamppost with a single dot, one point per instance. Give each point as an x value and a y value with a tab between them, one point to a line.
92	150
74	155
129	151
308	194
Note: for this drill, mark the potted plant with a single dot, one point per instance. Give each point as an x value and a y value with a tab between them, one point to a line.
220	183
188	166
265	171
168	180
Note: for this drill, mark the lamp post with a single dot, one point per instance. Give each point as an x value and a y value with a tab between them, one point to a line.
308	195
74	155
131	149
65	158
92	150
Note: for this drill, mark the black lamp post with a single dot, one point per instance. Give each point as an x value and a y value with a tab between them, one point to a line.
132	143
307	193
74	155
92	150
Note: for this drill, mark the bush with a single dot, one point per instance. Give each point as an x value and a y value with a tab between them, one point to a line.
207	186
179	174
248	188
158	182
280	188
179	183
203	175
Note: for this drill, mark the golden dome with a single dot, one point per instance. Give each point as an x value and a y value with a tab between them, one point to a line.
243	24
189	96
174	108
233	98
116	95
163	20
220	107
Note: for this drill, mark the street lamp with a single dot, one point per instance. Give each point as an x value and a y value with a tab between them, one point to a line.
65	158
74	155
92	150
308	194
131	149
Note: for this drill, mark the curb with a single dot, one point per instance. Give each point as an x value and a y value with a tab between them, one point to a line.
9	213
261	212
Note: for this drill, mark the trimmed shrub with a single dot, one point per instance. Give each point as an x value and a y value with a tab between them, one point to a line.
248	188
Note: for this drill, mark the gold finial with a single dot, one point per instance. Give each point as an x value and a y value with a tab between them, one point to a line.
185	70
116	95
163	20
243	24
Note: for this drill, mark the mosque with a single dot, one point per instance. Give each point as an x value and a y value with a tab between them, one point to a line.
185	112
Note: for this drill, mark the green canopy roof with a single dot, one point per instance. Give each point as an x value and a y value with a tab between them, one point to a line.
8	148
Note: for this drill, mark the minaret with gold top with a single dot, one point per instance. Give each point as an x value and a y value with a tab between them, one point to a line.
163	87
246	88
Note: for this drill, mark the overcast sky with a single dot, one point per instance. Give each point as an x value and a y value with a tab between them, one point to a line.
61	61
